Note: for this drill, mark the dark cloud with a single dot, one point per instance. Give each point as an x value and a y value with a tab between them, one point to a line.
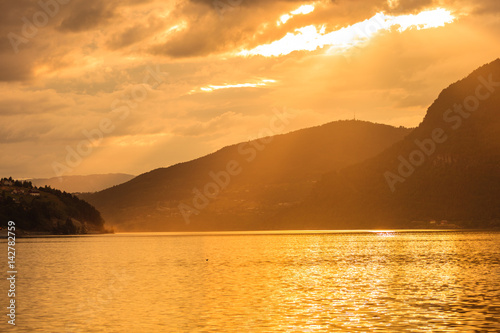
11	12
247	3
83	15
11	69
33	32
207	30
410	6
86	15
136	33
487	7
15	66
204	34
214	29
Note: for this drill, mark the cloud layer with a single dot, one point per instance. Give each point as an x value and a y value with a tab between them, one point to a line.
176	71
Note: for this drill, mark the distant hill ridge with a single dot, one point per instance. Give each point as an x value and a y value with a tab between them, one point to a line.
268	175
82	184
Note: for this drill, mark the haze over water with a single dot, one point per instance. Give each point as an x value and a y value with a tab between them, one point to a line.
279	282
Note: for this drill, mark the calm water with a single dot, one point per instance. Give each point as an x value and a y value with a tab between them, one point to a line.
385	282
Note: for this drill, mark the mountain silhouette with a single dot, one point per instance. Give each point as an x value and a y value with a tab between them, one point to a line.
243	186
447	169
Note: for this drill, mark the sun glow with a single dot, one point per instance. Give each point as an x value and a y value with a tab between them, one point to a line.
210	88
311	38
140	140
284	18
304	9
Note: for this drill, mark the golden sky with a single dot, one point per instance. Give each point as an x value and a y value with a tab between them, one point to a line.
168	81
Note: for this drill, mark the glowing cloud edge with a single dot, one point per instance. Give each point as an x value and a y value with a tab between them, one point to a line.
311	37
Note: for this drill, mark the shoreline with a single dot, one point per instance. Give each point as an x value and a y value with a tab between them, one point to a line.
41	234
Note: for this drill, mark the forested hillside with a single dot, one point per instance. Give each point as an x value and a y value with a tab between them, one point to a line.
46	210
